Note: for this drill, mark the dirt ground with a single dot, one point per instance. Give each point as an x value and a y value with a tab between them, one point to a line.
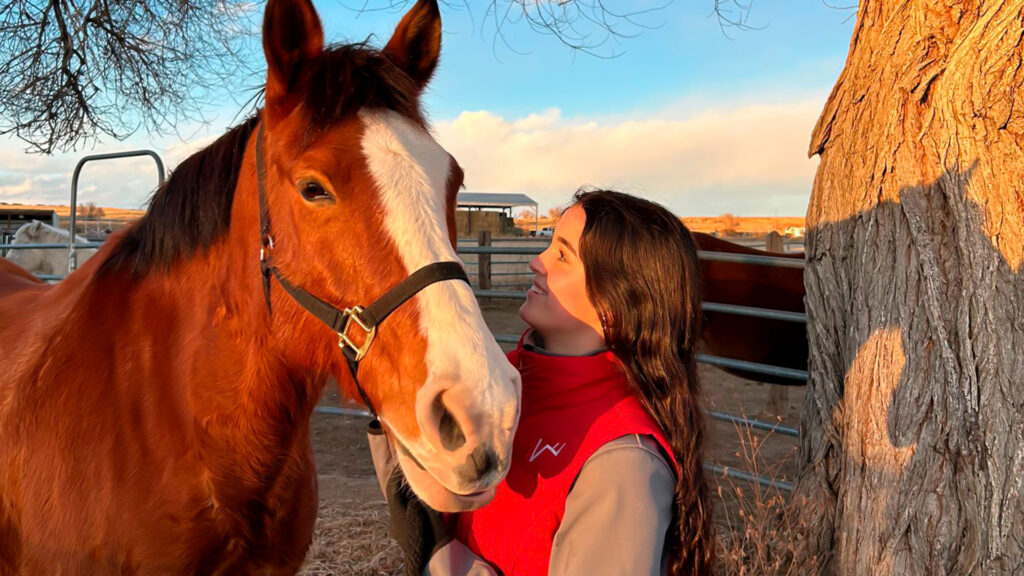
351	535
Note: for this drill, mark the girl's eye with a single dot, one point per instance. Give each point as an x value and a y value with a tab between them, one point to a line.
561	256
312	191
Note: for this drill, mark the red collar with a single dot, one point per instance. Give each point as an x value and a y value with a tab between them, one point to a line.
551	381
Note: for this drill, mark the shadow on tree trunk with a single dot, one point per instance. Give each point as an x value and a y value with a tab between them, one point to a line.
913	447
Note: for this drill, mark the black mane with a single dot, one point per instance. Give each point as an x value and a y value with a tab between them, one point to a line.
348	77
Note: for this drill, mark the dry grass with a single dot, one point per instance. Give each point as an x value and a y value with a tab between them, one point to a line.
351	539
752	521
755	521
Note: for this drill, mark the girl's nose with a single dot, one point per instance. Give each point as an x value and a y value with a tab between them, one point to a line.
536	266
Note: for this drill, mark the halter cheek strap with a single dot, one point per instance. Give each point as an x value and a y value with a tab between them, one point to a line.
340	321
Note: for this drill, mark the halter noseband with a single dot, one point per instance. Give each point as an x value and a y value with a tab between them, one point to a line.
339	321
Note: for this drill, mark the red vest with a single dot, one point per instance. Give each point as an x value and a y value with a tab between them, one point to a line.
572	405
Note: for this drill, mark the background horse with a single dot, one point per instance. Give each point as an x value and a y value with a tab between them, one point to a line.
761	340
179	442
45	261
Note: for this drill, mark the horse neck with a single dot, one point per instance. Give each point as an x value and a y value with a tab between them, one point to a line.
238	366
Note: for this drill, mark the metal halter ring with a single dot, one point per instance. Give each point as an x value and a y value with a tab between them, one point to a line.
345	342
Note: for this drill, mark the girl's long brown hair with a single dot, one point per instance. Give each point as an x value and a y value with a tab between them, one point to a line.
643	279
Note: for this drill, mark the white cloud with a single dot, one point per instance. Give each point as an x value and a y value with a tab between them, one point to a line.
17	189
698	159
745	159
125	183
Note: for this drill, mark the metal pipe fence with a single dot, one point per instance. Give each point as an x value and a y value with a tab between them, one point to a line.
51	246
739	474
777	428
72	255
729	471
776	261
798	376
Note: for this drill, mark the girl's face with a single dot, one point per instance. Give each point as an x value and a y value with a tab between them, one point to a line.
557	303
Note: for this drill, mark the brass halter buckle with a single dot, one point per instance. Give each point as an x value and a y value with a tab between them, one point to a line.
345	342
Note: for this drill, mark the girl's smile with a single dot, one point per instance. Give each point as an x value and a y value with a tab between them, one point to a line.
557	304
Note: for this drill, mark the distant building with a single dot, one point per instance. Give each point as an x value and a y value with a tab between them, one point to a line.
795	231
12	218
491	211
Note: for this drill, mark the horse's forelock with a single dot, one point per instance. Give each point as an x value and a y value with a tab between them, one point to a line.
352	77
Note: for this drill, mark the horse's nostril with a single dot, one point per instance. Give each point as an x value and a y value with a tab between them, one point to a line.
478	464
452	436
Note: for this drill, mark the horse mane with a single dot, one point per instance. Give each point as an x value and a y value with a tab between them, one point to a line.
192	209
189	211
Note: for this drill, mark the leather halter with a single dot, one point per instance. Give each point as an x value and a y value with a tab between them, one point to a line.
339	321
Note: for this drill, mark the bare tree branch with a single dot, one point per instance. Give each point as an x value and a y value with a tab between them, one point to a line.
74	70
589	26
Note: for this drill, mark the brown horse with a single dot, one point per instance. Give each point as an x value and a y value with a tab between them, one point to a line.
179	442
765	341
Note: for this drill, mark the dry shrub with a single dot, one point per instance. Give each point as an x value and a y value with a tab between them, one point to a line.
728	225
754	526
351	539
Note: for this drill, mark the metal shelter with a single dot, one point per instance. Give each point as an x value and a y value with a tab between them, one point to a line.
500	200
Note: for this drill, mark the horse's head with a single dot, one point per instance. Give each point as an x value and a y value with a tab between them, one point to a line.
31	260
359	196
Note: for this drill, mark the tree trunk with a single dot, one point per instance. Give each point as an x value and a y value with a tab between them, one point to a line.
913	446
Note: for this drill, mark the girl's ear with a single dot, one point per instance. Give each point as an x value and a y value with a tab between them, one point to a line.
292	39
415	47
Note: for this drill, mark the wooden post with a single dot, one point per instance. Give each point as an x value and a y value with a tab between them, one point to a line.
484	262
773	243
778	401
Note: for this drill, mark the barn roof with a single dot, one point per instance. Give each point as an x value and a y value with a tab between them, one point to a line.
493	200
25	213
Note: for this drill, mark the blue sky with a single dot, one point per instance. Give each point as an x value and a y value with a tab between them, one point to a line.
703	120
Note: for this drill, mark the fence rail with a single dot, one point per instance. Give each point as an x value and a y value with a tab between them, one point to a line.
729	471
798	376
740	474
61	246
486	289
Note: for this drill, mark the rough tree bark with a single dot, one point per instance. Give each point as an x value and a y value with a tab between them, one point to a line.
913	450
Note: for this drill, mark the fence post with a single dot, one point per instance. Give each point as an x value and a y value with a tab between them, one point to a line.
773	243
484	261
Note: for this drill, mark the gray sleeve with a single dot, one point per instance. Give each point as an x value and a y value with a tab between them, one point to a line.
456	559
384	461
618	513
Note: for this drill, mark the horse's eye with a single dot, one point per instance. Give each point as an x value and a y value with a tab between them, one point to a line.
312	191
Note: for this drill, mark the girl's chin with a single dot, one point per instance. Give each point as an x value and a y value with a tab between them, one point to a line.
525	312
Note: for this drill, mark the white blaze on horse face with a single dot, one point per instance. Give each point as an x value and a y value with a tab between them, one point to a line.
411	172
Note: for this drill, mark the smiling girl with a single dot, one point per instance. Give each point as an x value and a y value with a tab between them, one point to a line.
606	473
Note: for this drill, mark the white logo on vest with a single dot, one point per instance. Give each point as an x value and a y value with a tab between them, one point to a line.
554	449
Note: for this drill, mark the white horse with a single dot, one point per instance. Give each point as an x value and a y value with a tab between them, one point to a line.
41	260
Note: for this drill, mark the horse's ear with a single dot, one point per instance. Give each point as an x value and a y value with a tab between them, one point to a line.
416	44
292	38
34	228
